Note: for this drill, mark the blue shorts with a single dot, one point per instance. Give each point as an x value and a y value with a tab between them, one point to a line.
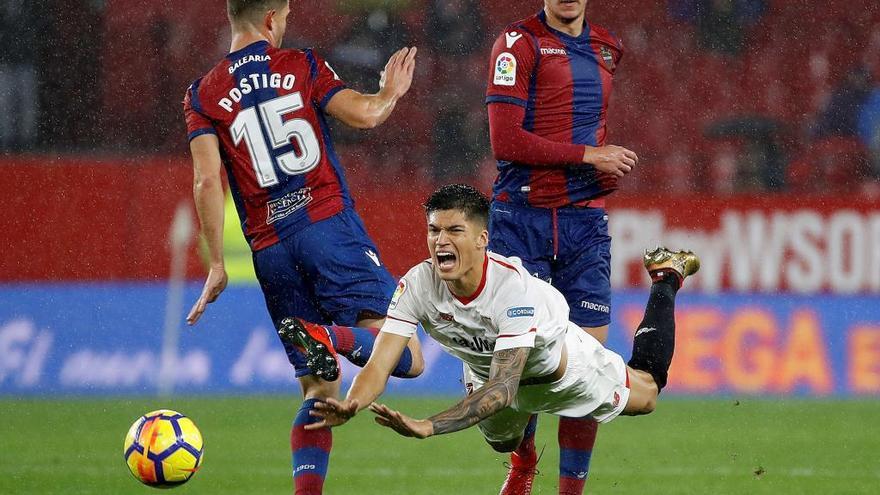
328	272
568	247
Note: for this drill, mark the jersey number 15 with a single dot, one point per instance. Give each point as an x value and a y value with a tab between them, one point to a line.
246	127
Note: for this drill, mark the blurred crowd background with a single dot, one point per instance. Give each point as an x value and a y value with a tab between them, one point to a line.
716	96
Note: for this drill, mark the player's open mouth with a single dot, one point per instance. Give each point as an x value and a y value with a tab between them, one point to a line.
445	260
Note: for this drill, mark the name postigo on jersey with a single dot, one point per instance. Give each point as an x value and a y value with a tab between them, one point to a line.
254	82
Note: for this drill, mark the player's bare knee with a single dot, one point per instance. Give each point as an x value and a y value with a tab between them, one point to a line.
638	406
643	394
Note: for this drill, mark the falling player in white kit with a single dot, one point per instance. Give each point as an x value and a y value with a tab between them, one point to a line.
521	355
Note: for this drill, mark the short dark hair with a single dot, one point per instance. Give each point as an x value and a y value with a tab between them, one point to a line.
239	9
462	197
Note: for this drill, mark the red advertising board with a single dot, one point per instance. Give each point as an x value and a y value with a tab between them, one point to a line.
109	219
755	244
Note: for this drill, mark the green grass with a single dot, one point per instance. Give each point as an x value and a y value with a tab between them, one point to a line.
686	447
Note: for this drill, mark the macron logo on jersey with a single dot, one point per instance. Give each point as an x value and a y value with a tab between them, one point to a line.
511	38
520	312
553	51
505	70
335	75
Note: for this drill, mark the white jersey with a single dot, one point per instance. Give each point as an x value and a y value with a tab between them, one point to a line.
509	309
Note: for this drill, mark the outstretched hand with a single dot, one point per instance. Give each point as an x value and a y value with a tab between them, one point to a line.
214	285
401	423
332	412
398	74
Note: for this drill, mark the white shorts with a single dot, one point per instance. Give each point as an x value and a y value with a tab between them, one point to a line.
595	384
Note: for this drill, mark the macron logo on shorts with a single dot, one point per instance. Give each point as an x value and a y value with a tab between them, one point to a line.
520	312
373	256
603	308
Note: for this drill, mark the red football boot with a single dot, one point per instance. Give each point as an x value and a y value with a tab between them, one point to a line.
321	356
520	476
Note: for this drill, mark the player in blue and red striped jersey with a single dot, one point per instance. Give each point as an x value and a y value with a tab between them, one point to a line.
548	92
260	114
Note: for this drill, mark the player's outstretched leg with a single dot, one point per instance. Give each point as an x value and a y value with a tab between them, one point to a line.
523	463
322	343
654	341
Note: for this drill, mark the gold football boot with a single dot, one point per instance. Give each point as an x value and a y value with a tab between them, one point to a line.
684	263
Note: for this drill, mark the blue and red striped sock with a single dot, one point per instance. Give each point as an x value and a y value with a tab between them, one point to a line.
356	344
525	455
576	439
311	452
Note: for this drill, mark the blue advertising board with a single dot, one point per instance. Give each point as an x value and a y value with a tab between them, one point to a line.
106	339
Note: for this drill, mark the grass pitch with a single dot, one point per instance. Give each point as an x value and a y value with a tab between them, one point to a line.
754	446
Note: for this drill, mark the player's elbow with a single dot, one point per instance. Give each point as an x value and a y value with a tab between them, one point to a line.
641	406
508	390
510	398
364	122
503	156
502	151
203	182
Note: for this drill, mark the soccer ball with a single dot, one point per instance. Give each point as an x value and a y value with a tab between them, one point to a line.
163	449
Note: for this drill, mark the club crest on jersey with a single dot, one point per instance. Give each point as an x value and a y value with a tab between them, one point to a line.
287	204
401	288
520	312
505	70
608	57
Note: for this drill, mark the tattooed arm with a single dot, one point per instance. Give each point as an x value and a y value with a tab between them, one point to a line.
496	394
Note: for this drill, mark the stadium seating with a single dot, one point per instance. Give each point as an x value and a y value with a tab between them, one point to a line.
667	86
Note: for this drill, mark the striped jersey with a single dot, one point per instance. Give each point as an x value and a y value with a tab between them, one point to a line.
266	106
564	83
509	309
